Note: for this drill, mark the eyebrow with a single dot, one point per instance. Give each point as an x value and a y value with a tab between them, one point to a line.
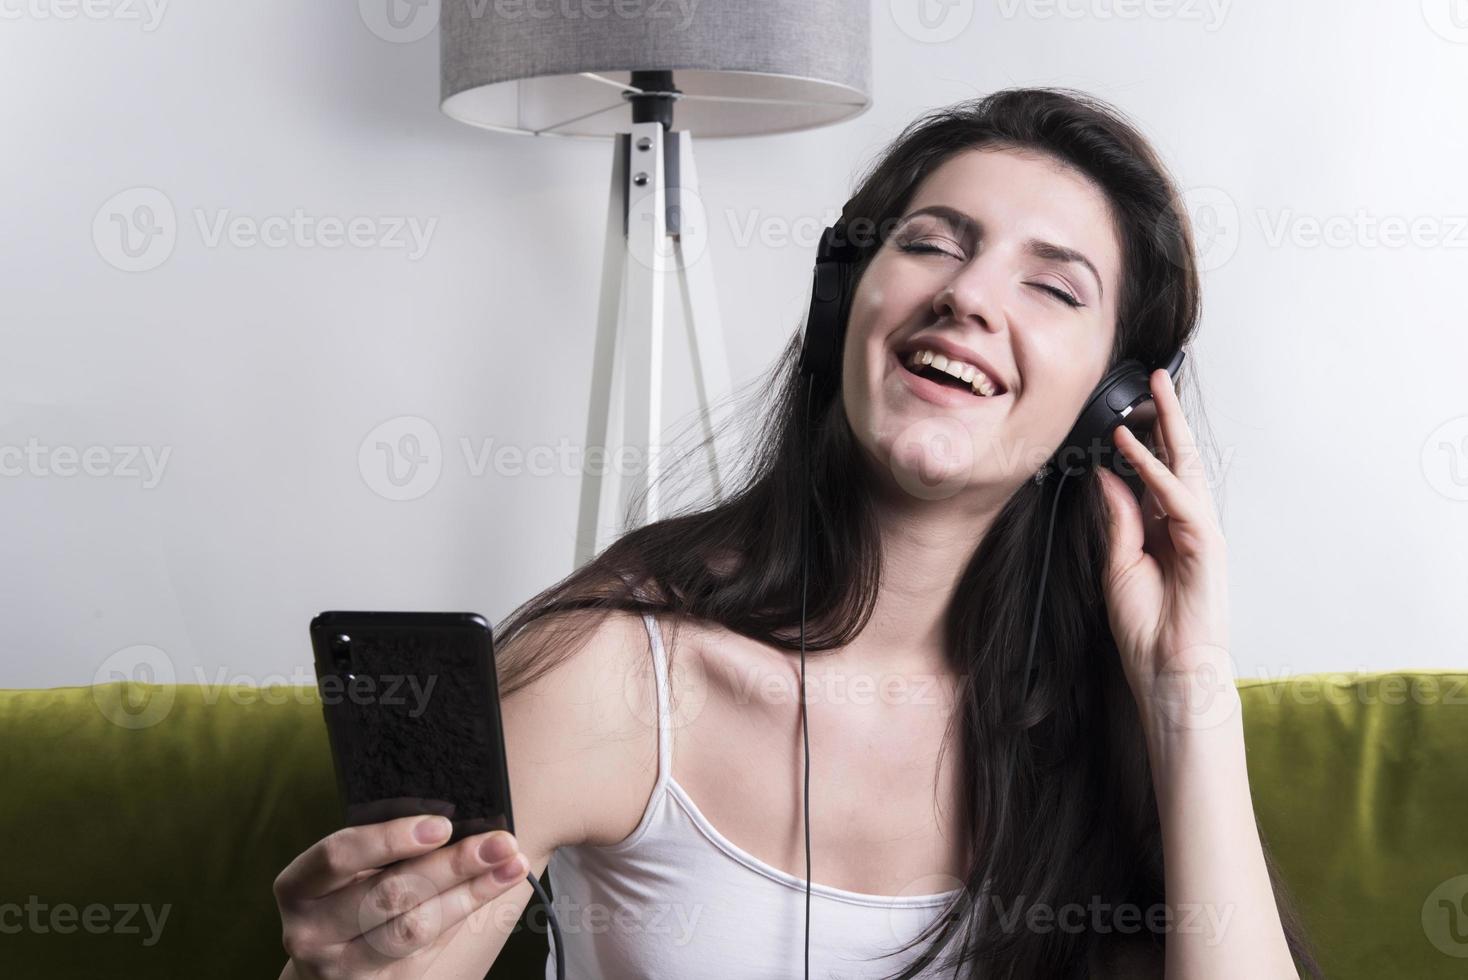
965	225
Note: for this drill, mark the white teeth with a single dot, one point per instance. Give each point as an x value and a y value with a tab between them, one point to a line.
976	379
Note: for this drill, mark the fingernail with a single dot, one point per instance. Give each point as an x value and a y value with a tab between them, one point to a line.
432	830
496	847
517	868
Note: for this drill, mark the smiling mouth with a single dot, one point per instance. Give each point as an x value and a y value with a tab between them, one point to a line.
938	369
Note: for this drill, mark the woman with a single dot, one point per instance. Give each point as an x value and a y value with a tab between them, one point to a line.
651	699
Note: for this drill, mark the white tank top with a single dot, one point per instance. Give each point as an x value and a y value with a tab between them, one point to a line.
677	899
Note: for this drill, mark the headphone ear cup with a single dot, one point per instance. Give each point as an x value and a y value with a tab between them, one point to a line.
845	275
1121	397
825	323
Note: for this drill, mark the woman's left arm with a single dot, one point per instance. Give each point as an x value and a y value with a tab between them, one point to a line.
1167	599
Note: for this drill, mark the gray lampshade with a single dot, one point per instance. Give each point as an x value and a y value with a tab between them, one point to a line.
745	67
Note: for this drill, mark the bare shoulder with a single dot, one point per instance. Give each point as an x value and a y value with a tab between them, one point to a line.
581	737
1127	958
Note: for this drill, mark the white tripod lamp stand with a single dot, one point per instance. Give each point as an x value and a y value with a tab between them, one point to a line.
741	69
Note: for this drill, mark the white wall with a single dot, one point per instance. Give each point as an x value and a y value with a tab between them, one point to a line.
1328	368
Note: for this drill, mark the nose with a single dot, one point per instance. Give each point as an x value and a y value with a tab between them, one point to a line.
968	299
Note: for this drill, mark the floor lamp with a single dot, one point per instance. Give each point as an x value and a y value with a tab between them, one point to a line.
623	69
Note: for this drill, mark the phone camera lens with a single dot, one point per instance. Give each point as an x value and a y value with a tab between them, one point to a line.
341	651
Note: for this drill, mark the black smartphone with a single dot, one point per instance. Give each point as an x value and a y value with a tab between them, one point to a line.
412	713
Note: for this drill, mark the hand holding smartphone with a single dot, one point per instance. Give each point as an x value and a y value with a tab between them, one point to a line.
412	713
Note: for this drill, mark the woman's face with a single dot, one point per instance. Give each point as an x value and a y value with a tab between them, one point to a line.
1016	272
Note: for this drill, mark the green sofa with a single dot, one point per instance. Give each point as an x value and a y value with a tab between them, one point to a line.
142	825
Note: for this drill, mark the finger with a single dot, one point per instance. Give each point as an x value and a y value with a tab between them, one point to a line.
1156	445
1152	508
1181	451
1186	459
414	932
1177	500
339	858
1123	518
364	906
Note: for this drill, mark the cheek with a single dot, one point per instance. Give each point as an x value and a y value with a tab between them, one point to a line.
1071	392
1056	382
861	356
865	313
871	296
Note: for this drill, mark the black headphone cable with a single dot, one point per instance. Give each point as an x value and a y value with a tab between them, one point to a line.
804	728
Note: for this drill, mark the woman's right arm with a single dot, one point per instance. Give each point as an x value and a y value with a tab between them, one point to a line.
582	753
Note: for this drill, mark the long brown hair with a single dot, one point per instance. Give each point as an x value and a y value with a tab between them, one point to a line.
1078	823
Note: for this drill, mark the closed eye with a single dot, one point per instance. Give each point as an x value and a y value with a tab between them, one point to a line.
1060	294
915	247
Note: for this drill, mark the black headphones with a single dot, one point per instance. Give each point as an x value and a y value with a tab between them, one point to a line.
1122	397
